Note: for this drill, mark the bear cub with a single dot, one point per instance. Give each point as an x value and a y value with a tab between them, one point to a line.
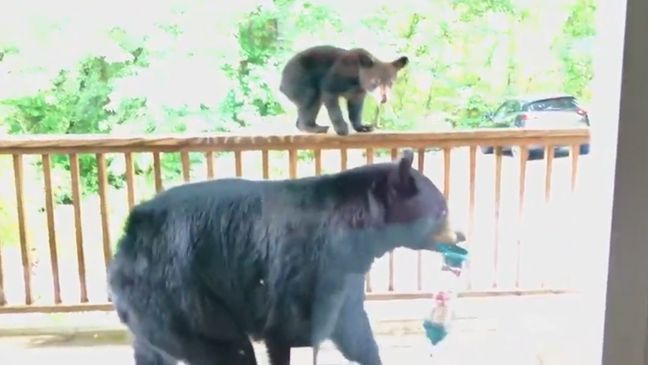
322	74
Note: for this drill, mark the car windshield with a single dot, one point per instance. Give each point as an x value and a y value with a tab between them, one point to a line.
557	104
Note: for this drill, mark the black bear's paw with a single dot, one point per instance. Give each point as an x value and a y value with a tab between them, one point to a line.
364	128
341	130
314	128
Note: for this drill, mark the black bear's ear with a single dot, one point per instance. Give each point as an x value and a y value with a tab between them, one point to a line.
405	165
365	60
400	178
400	62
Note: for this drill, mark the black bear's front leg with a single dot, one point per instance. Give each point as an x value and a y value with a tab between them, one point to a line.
146	354
335	114
353	335
196	351
330	294
355	105
278	351
157	342
217	353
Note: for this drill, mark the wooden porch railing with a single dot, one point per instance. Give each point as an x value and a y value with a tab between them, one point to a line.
128	147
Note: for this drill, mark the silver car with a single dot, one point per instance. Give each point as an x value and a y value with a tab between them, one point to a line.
553	111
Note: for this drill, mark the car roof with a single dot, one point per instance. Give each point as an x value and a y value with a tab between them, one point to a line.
541	96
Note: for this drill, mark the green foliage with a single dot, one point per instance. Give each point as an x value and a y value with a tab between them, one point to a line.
191	66
575	51
471	9
580	23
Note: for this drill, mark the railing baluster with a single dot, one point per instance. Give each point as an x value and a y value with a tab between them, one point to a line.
498	193
369	155
238	162
574	154
394	154
209	156
472	177
524	154
344	156
421	160
78	226
265	161
157	171
3	298
51	227
130	179
186	166
25	251
318	162
446	171
549	157
292	162
103	206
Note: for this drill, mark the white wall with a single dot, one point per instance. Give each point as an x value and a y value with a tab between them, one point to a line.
626	316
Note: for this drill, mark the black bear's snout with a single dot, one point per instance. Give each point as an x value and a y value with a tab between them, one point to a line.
445	233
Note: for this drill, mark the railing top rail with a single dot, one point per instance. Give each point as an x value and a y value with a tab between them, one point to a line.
231	142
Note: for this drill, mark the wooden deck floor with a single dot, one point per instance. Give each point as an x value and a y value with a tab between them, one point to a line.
518	331
462	349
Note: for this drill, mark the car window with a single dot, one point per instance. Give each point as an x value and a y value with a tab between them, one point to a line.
557	104
500	111
506	109
515	107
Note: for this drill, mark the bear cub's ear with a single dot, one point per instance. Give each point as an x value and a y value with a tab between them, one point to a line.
400	62
365	60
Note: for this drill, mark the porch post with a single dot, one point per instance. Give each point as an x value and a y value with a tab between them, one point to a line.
626	315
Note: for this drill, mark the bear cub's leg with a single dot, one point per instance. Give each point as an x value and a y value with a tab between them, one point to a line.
308	107
306	119
354	105
335	114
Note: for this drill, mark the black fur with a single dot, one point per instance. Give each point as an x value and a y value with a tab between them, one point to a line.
205	265
320	75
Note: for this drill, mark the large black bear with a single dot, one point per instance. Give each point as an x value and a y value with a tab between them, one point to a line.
204	266
322	74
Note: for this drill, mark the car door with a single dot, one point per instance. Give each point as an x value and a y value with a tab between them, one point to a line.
505	114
